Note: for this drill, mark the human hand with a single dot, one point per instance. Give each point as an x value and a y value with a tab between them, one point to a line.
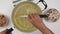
35	20
38	23
4	32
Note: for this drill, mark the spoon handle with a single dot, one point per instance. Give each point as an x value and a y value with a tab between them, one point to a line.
43	16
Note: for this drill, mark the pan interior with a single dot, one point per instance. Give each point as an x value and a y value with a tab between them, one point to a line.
21	9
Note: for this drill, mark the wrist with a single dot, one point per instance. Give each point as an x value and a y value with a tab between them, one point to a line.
40	25
45	30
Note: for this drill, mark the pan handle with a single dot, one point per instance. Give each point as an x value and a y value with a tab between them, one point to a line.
44	3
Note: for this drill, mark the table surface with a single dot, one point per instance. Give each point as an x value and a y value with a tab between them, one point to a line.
6	8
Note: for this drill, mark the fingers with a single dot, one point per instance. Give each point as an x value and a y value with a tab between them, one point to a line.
33	17
36	16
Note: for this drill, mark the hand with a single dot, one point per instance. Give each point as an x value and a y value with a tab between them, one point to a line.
38	23
35	20
4	32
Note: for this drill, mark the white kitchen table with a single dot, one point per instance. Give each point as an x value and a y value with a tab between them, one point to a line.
6	8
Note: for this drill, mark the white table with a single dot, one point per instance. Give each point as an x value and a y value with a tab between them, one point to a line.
6	7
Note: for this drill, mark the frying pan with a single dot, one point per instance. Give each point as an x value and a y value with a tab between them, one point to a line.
25	8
